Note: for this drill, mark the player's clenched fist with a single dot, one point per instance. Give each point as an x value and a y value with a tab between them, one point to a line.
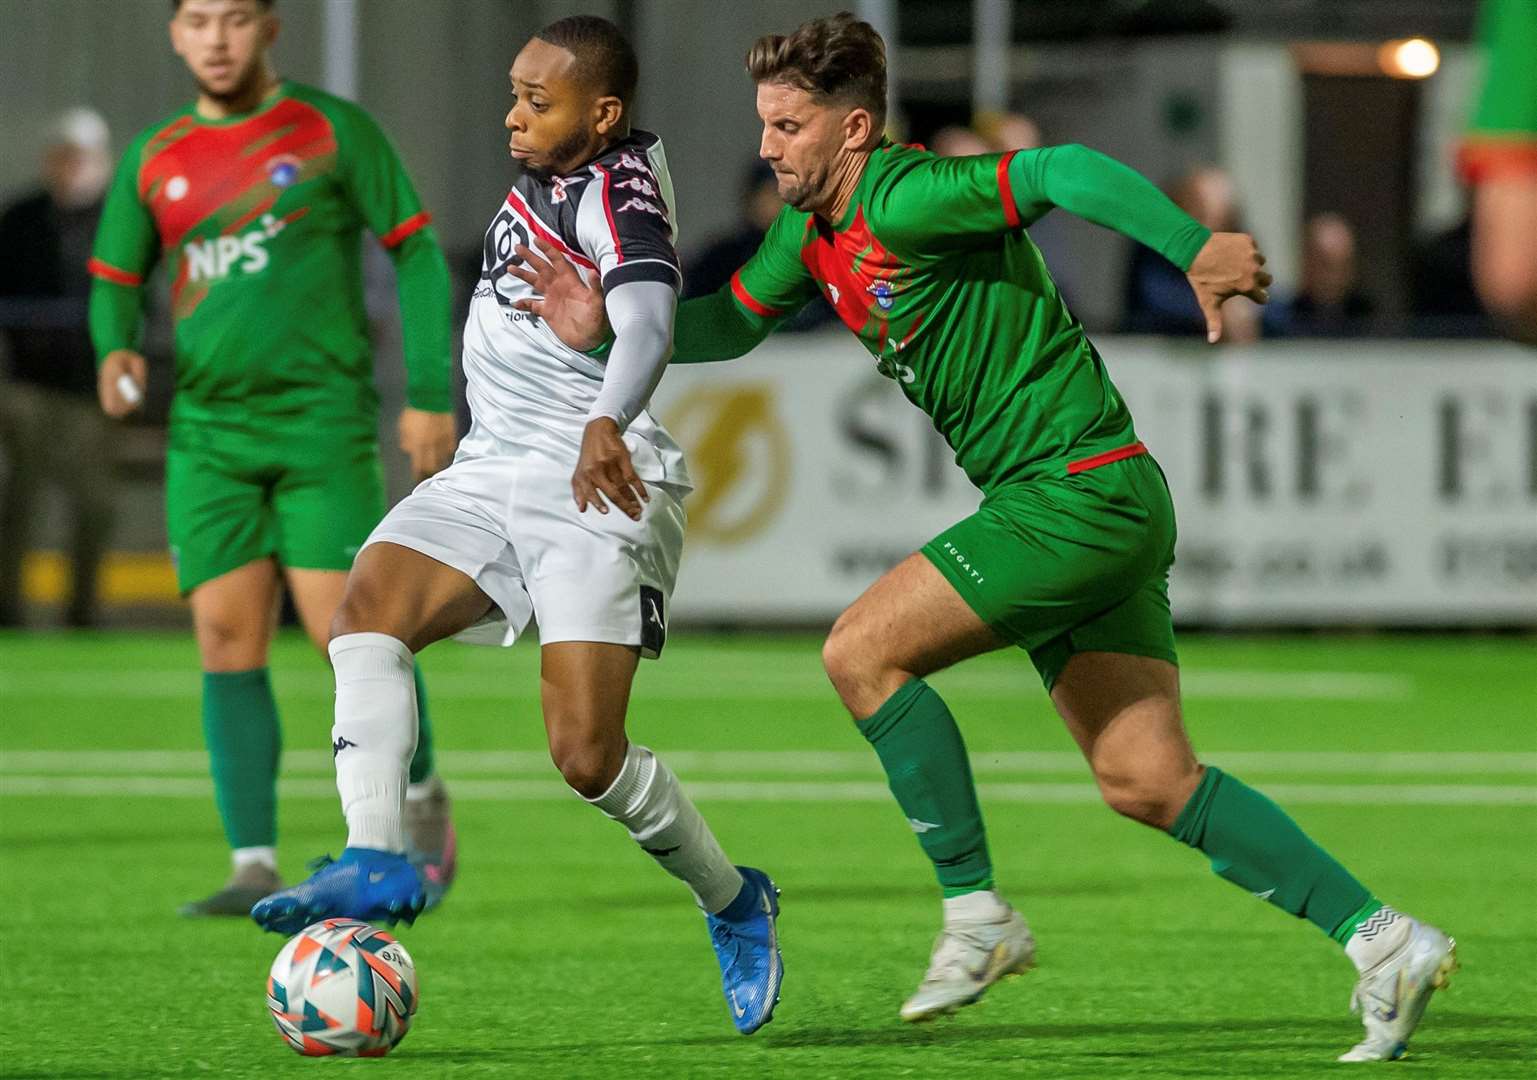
1230	264
604	468
120	382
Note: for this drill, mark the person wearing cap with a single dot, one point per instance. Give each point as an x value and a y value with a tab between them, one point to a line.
51	429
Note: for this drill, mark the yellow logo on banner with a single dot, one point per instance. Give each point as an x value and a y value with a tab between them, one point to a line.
739	457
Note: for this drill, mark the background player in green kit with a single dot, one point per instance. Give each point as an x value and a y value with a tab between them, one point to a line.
927	261
1499	160
255	197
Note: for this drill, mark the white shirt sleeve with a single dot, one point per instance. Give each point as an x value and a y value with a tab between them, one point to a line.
641	314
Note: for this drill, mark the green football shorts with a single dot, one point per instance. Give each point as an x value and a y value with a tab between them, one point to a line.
1076	563
308	499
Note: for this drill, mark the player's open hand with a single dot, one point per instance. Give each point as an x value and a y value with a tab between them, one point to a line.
1228	265
120	382
604	469
428	439
569	305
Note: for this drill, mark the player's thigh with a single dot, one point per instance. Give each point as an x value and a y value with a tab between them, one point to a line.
328	499
317	595
911	622
411	596
1123	711
233	615
584	688
218	510
596	577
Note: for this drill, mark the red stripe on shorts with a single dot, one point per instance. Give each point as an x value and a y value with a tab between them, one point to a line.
1120	453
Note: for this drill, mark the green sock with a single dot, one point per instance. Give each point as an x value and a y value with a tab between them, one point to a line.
1254	844
240	726
422	763
926	765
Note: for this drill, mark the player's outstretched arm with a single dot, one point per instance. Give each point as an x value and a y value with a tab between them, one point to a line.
1228	265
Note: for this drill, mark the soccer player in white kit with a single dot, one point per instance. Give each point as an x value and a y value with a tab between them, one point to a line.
564	504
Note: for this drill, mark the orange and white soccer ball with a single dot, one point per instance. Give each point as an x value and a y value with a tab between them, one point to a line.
342	987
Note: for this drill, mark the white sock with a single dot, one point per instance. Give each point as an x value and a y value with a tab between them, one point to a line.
374	736
984	905
647	800
1376	939
242	857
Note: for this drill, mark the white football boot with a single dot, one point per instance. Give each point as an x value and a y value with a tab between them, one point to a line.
969	956
1391	996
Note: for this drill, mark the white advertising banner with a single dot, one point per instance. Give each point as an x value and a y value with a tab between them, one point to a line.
1324	482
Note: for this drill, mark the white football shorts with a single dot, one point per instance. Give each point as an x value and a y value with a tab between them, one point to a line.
511	525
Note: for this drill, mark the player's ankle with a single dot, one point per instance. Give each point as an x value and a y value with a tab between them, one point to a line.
978	905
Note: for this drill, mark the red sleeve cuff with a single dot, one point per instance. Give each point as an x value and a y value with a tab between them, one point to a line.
1482	159
750	302
108	272
413	224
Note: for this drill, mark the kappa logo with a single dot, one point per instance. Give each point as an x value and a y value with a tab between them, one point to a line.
921	827
635	183
342	743
558	189
641	204
634	164
654	612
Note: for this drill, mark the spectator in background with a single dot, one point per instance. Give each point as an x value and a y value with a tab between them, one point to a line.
51	427
711	268
1330	302
1158	298
1442	298
957	141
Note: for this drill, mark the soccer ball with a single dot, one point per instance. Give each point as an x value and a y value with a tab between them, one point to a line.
342	987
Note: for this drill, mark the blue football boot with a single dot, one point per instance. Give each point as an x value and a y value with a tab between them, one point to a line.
747	946
373	886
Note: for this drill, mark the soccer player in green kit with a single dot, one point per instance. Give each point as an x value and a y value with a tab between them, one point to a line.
927	261
255	196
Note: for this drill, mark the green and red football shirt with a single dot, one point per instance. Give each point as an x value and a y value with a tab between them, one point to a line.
1502	140
259	218
931	267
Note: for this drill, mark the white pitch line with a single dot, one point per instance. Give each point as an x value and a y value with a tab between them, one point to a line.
796	681
777	792
805	762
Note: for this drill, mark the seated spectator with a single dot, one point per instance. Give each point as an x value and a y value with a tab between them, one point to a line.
1330	302
1158	298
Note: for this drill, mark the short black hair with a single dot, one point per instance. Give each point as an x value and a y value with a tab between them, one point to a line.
604	56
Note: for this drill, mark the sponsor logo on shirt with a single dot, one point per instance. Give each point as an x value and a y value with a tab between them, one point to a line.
283	170
633	163
219	256
884	294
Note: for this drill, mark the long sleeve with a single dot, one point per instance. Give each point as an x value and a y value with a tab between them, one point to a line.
717	327
425	294
382	194
122	256
641	313
945	202
1100	189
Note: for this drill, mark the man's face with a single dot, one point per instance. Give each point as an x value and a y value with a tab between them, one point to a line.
802	139
223	43
556	122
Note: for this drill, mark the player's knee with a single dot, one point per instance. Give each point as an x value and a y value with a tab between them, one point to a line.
847	665
230	643
588	766
360	611
1152	800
